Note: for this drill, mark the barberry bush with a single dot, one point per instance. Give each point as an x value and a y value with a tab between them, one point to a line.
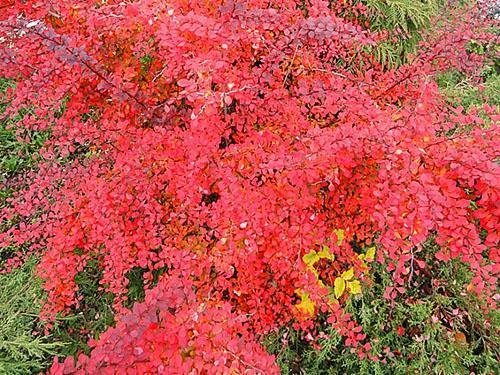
230	168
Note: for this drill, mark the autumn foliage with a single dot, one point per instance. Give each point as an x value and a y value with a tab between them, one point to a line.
251	157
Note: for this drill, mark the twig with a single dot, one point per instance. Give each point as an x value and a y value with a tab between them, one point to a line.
290	65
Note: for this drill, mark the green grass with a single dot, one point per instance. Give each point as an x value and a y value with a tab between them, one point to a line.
94	315
460	90
24	349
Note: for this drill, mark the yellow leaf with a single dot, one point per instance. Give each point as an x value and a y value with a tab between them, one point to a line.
325	253
339	287
310	259
354	287
370	254
306	304
340	236
348	275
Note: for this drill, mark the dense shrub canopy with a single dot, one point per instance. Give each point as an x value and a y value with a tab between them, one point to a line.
252	158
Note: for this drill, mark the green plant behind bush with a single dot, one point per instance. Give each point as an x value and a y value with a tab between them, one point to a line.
403	21
24	348
461	90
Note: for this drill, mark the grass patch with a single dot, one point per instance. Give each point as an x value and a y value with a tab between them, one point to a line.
24	347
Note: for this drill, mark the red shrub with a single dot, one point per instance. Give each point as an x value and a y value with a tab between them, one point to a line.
222	141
